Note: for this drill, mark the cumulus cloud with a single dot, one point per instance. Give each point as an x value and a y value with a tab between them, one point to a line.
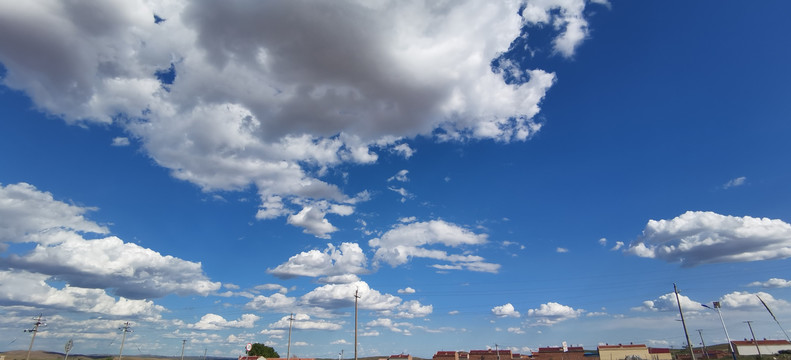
748	300
304	322
19	287
420	239
552	313
63	253
336	296
261	94
772	283
668	303
506	310
274	302
217	322
698	237
407	290
330	263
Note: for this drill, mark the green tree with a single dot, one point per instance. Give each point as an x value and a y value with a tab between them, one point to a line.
262	350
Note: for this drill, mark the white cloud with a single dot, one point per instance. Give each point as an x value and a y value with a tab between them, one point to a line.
562	250
340	342
120	141
19	287
506	310
62	253
552	313
335	296
668	303
217	322
25	210
697	237
342	261
772	283
747	300
516	330
271	287
406	241
603	241
618	246
259	99
400	176
739	181
304	322
413	309
274	302
407	290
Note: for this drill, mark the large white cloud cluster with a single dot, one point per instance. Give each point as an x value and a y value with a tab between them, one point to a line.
271	94
88	266
698	237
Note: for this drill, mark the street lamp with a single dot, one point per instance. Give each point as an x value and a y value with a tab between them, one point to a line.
717	309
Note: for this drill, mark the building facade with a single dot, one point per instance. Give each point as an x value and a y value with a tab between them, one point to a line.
622	352
766	347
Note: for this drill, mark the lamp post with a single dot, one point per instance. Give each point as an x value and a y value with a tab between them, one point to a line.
716	308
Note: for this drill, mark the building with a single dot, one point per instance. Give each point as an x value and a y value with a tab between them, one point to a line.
490	355
659	354
559	353
400	357
446	355
767	347
622	352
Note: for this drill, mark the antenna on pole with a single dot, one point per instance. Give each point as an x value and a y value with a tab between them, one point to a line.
183	342
716	308
290	323
124	329
356	296
683	323
34	330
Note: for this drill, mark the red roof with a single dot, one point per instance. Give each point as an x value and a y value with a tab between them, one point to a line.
658	351
445	353
621	346
489	352
761	342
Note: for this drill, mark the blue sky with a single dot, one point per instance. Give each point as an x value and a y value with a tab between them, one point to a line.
516	174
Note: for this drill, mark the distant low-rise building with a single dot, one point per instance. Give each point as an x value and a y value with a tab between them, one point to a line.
490	354
659	354
559	353
623	352
767	347
446	355
400	357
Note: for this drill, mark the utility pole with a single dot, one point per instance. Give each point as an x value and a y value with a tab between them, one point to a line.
684	324
124	329
183	342
754	340
705	352
290	322
497	351
34	330
773	317
356	296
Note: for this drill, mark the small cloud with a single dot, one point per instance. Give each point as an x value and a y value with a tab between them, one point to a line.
340	342
772	283
739	181
603	241
453	312
515	330
400	176
121	141
408	290
562	250
407	220
447	179
618	246
506	310
404	150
